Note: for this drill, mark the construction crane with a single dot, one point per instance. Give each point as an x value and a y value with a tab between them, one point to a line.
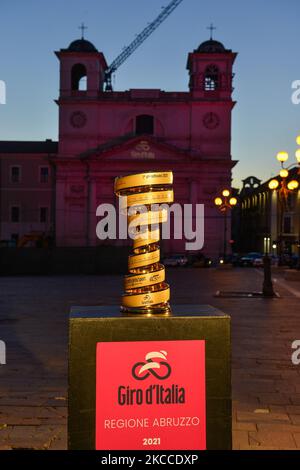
140	38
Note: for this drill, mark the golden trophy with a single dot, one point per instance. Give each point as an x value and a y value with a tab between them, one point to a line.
146	291
144	367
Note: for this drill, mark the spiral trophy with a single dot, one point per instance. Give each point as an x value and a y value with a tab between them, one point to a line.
167	356
146	291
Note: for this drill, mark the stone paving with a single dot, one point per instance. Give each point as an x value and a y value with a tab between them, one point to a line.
34	325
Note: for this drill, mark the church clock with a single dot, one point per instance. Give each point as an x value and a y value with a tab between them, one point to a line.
78	119
211	120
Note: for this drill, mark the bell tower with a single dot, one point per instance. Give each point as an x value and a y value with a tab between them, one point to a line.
210	69
81	69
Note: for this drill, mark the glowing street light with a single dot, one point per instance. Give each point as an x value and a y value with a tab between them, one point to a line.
293	185
273	184
284	173
282	156
224	204
218	201
285	187
233	201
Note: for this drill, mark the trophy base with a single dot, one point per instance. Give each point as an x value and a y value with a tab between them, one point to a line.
101	335
161	309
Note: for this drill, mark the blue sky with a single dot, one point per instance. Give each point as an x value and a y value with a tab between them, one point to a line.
264	33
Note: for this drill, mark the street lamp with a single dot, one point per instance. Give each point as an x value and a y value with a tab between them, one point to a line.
225	203
284	187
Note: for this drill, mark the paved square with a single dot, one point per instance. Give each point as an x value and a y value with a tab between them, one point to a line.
34	325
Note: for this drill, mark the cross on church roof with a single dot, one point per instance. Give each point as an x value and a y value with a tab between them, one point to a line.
211	28
82	27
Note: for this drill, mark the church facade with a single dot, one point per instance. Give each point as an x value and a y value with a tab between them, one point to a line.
104	134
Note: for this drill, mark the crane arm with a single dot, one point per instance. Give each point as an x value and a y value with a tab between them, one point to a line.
140	38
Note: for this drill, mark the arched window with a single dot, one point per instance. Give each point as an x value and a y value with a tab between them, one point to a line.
79	79
144	124
211	80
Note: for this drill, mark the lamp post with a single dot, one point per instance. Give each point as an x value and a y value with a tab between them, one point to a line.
284	186
268	290
225	203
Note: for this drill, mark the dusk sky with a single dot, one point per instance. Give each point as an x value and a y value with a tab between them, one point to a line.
265	35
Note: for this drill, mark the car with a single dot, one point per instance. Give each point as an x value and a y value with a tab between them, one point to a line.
258	262
8	244
199	260
248	259
176	260
294	261
234	259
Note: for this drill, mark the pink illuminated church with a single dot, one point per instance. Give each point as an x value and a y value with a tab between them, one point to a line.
104	134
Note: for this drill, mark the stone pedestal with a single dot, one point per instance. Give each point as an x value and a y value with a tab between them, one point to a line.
101	343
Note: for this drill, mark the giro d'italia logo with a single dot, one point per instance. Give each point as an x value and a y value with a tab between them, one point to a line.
155	364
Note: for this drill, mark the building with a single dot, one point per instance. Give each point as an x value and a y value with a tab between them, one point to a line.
264	215
104	134
27	189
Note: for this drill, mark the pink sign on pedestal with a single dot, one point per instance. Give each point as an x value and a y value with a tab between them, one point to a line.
151	395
